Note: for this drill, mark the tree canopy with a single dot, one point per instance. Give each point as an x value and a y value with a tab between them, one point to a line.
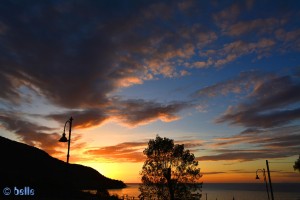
169	172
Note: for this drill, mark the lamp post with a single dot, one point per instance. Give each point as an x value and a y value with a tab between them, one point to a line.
267	163
265	179
64	139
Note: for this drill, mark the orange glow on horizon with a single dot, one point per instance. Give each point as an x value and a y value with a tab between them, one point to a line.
114	159
129	173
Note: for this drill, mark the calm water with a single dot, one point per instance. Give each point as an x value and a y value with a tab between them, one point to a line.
240	191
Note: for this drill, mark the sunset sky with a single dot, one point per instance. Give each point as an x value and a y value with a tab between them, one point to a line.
221	77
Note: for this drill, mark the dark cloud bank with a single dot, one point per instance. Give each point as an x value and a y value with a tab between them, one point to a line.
76	54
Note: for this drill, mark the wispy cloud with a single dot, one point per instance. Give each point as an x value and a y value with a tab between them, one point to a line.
269	112
253	144
36	135
128	112
131	151
244	82
124	152
248	155
84	118
212	173
291	39
270	104
31	133
230	52
260	25
134	112
227	16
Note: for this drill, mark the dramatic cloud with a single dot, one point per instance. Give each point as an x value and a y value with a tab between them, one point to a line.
272	103
78	56
77	66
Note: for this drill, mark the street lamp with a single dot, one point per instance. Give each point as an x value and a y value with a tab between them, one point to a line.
270	182
64	139
265	180
268	169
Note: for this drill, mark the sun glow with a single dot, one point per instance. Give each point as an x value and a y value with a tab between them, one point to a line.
127	172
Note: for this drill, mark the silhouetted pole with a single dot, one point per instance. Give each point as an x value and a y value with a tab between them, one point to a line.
69	140
265	179
64	139
267	163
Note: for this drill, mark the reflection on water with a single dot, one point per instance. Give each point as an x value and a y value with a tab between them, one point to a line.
244	191
132	190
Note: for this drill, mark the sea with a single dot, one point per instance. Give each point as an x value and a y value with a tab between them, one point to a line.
228	191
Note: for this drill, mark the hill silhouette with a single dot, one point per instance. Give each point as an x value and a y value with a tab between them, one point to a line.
26	166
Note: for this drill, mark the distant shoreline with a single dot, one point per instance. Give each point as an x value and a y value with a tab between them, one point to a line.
240	191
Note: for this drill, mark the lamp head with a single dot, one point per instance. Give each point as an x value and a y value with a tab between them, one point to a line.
63	138
257	177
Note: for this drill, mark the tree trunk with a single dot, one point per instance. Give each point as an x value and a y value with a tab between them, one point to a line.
171	191
167	175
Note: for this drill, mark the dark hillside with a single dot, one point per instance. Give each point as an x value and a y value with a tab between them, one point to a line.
23	165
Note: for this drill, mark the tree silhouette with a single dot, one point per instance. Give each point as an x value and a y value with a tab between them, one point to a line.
169	172
297	164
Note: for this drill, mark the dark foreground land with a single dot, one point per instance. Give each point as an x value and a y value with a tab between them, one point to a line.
30	173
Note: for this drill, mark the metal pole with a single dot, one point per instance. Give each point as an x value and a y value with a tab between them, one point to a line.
265	179
267	163
69	140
